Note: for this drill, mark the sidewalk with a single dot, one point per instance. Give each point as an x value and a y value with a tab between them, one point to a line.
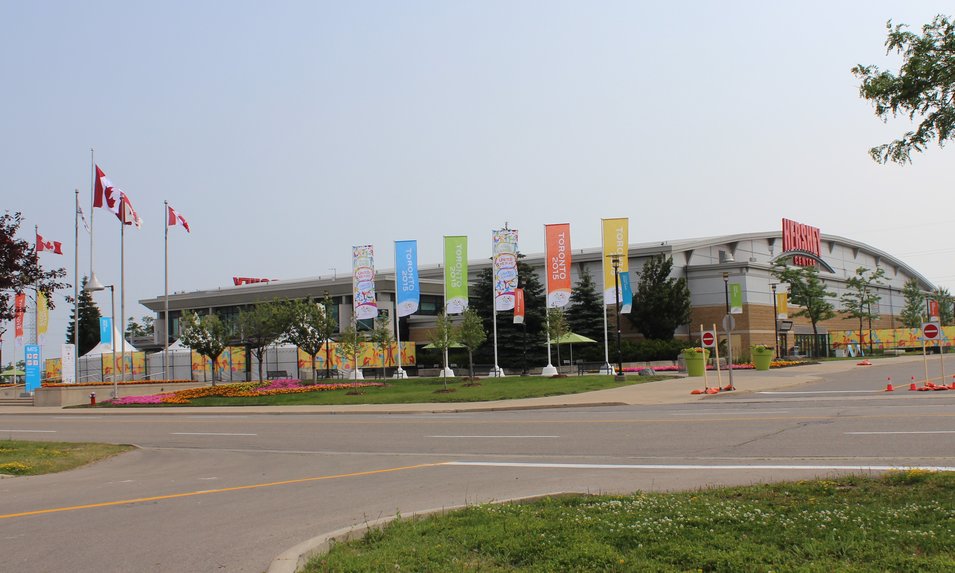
674	391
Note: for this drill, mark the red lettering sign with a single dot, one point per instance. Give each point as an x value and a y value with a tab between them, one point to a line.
237	281
797	236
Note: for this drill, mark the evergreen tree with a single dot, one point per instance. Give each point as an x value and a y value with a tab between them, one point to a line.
585	314
89	322
510	336
913	313
944	299
662	302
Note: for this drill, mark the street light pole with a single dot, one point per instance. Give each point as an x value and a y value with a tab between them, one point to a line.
775	322
615	261
728	326
94	287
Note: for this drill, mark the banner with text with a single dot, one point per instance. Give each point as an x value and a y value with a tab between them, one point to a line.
736	298
557	239
42	317
363	282
615	242
455	274
19	309
406	274
504	253
626	298
519	306
68	354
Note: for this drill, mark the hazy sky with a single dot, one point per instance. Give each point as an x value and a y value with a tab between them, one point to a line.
286	132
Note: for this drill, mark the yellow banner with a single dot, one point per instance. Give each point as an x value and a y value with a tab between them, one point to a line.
615	242
53	370
886	338
135	364
232	359
782	305
42	315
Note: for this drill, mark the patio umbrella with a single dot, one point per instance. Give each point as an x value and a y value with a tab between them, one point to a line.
432	346
572	338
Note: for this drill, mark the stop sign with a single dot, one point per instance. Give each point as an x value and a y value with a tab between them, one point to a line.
930	331
708	338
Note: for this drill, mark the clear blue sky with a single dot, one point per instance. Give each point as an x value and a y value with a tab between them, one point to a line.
286	132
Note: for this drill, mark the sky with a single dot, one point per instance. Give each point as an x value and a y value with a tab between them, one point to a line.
286	132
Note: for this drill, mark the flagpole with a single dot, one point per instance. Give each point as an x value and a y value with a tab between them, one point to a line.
603	302
122	289
548	370
444	257
497	369
399	373
165	333
76	287
36	253
92	213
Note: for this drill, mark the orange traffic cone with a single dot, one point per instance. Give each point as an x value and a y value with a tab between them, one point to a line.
888	387
727	388
696	392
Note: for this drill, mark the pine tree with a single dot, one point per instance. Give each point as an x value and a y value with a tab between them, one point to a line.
585	314
662	302
89	322
913	313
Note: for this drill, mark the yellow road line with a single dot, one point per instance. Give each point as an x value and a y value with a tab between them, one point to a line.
211	491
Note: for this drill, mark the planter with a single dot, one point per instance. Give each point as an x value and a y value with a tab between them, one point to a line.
762	358
695	362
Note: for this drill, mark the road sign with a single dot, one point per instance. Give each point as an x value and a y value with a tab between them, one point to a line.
930	331
729	323
708	338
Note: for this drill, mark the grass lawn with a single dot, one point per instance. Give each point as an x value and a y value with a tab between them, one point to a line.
427	390
24	458
904	521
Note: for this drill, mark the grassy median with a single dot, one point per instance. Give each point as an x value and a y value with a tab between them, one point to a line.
25	458
904	521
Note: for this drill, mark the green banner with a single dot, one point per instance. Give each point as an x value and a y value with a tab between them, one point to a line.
455	274
736	298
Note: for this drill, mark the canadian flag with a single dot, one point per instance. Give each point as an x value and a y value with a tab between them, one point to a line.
108	197
173	218
42	245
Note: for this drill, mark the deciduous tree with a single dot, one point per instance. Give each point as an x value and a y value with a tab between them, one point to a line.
19	269
206	335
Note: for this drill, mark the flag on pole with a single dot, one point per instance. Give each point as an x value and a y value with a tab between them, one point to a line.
504	252
408	291
42	317
79	211
558	263
114	200
363	282
455	274
626	301
615	244
128	215
174	218
19	311
42	245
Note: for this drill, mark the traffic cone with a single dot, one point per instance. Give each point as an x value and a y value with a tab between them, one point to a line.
711	390
727	388
696	392
888	387
912	386
864	363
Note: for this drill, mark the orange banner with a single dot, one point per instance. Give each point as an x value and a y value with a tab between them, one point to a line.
558	264
518	306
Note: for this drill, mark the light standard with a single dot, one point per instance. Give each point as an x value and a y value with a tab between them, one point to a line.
775	321
328	341
94	286
728	327
615	262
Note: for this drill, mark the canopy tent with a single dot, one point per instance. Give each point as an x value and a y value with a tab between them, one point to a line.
572	338
13	372
104	348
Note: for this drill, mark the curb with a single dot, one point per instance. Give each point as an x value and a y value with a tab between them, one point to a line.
292	559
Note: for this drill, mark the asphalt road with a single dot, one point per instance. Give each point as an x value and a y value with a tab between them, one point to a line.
228	492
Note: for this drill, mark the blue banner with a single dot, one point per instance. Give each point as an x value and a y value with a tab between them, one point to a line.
406	277
106	330
32	358
626	293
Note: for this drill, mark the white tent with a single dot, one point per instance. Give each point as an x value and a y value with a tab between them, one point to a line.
104	348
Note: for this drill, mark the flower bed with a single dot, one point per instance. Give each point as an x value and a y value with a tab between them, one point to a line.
240	390
750	366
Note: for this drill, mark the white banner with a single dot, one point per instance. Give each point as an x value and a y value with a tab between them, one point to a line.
68	363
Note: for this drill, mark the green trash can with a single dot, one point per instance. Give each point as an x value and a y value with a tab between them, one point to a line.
762	357
695	359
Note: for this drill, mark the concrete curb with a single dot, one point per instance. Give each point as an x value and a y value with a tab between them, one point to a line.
296	557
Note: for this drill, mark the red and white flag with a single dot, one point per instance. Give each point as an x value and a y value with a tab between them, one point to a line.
42	245
108	197
173	218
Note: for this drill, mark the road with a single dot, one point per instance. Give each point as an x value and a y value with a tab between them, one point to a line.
230	491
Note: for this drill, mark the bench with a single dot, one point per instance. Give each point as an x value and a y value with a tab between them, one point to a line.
274	374
589	368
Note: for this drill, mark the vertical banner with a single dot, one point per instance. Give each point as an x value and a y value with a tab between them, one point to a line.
42	317
518	306
106	330
933	314
626	299
31	356
20	309
504	254
782	305
406	268
363	282
455	274
615	242
68	364
736	298
558	263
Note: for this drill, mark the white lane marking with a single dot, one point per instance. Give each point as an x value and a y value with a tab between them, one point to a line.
695	467
828	392
517	437
214	417
31	431
208	434
78	417
887	433
733	412
208	479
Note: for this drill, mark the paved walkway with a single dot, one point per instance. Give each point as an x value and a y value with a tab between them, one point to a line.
674	391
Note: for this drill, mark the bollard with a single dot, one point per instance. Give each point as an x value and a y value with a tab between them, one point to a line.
92	398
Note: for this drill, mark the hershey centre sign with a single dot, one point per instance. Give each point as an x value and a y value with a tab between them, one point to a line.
800	237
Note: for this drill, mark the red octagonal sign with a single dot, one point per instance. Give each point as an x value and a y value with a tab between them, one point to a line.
930	331
708	338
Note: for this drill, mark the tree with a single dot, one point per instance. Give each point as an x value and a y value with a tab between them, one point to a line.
858	300
89	322
20	269
913	313
306	328
260	327
662	302
557	327
137	330
585	314
382	337
944	300
470	333
922	89
349	343
807	290
442	337
206	335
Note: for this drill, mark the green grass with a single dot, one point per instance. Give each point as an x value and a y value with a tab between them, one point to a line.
902	522
428	390
24	458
